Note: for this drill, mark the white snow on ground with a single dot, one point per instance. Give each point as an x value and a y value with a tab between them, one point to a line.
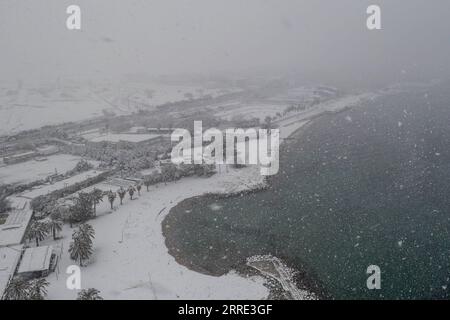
131	260
33	170
33	107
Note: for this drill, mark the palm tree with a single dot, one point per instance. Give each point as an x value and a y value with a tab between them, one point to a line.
72	216
121	192
147	182
38	289
63	213
111	198
56	222
38	231
131	192
80	248
209	169
139	187
82	209
96	197
86	231
55	225
89	294
267	122
17	289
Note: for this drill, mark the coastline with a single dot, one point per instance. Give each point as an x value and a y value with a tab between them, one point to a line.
150	271
290	127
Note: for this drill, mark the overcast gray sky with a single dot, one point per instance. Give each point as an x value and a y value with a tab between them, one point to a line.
224	36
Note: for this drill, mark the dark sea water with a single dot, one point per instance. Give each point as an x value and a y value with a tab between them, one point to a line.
366	186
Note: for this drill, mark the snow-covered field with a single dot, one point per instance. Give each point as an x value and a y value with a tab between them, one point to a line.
33	170
33	107
252	110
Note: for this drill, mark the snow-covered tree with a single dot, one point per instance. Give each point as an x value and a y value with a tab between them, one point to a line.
89	294
21	289
55	226
82	209
138	188
121	192
131	192
111	198
4	204
38	231
96	197
80	248
17	289
37	289
147	182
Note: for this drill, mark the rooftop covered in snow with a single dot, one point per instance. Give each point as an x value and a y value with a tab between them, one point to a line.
9	258
36	259
13	230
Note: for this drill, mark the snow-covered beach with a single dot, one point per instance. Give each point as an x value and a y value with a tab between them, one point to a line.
131	260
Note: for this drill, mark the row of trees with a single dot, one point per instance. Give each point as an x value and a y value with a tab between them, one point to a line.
40	229
85	203
84	207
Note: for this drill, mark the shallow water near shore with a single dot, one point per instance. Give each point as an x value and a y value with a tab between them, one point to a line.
367	186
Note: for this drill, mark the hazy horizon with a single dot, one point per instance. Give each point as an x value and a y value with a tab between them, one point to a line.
316	39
